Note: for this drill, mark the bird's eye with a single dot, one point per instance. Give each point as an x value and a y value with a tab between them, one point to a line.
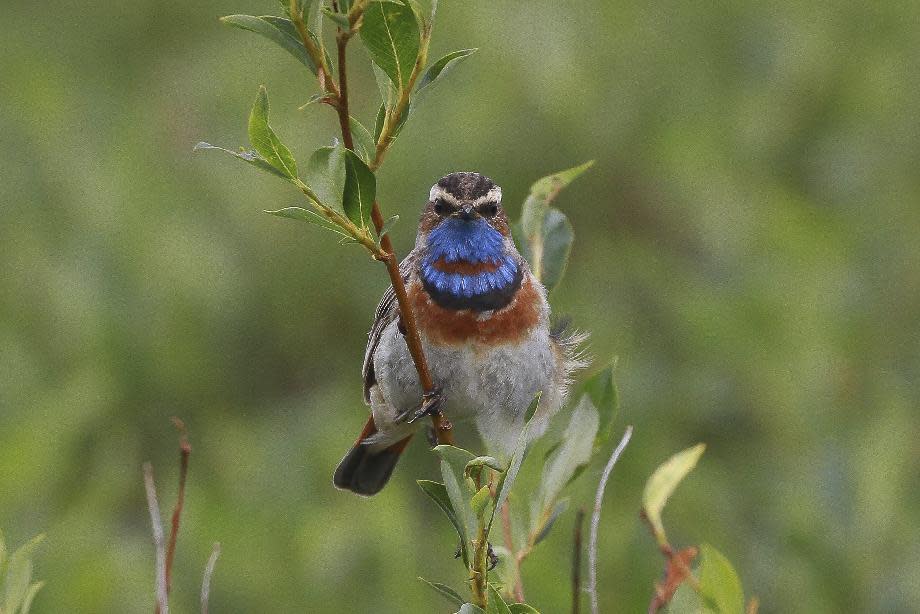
439	207
490	210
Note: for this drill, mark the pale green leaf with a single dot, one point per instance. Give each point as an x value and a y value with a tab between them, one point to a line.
496	605
719	583
325	174
279	30
602	389
391	35
338	19
546	188
573	452
662	483
440	68
548	520
250	157
19	575
469	608
522	608
305	215
438	493
365	145
517	457
480	501
387	226
687	601
544	235
445	591
265	142
30	596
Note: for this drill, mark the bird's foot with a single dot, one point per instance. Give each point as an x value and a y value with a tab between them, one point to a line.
431	406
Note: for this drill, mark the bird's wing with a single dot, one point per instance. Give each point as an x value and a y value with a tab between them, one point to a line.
387	311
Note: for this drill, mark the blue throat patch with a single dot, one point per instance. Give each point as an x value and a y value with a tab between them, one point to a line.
475	242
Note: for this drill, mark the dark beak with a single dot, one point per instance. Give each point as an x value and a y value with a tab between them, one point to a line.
467	213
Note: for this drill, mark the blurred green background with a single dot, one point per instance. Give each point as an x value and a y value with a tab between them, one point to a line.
748	244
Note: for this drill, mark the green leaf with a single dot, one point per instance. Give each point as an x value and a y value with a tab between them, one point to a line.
440	67
19	576
687	601
265	142
557	245
496	605
2	553
547	521
602	389
438	493
250	157
390	33
278	30
480	501
544	234
325	174
469	608
483	461
517	457
522	608
662	483
453	465
364	142
574	451
305	215
719	584
30	596
337	18
387	227
547	188
359	191
445	591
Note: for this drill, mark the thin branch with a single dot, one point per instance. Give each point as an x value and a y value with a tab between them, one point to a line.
385	252
596	518
156	523
518	588
576	562
341	41
185	449
206	581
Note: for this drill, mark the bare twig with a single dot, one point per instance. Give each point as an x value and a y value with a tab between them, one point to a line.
576	562
185	449
596	518
156	523
206	581
518	587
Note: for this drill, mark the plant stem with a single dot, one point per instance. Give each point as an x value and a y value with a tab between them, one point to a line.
518	588
385	253
479	580
185	450
323	72
153	506
576	562
596	518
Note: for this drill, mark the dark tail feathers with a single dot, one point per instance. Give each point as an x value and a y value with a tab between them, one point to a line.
365	471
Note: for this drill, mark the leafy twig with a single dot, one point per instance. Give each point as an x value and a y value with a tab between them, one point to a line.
153	506
596	518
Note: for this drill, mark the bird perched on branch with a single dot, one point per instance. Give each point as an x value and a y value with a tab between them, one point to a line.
484	324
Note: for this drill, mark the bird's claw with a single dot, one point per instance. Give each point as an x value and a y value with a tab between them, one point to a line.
431	406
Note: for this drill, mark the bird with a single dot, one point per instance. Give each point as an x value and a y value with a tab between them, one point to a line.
484	324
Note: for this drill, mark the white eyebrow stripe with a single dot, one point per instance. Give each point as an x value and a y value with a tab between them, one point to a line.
437	192
494	195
